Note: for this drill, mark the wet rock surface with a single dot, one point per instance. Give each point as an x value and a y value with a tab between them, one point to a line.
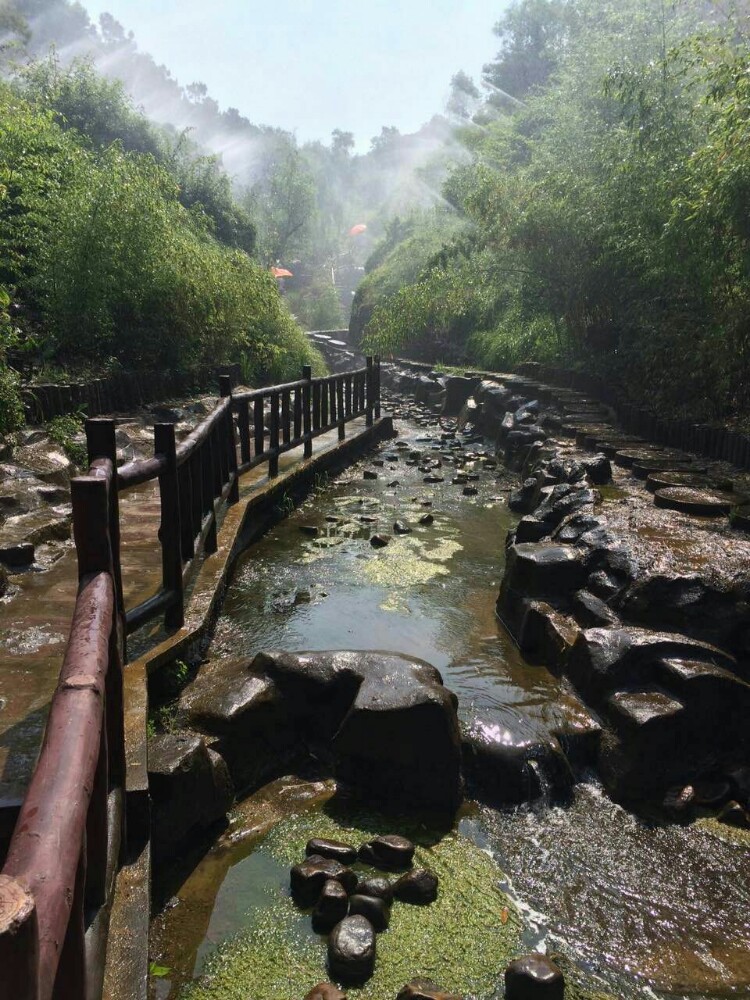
352	949
534	977
388	720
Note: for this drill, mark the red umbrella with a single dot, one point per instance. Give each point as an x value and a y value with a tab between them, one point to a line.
281	272
356	230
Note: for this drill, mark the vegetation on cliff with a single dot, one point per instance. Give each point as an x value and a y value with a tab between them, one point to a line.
604	207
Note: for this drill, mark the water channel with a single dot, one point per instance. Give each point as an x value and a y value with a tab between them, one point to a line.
636	909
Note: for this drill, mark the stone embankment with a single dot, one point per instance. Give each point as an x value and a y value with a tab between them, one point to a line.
627	573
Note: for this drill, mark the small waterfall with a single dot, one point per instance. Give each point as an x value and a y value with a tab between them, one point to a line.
540	785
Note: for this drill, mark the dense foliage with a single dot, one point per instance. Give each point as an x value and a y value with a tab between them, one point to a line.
119	248
606	205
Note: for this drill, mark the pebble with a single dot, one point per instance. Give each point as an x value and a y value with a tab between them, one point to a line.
401	528
534	977
380	541
419	886
375	886
376	909
325	991
352	949
389	851
426	519
331	907
337	850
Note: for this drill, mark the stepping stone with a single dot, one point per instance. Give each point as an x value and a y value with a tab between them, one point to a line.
698	502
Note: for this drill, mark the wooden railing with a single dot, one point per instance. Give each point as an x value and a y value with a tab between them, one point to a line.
200	476
57	883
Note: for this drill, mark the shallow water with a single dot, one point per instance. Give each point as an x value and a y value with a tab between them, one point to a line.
640	910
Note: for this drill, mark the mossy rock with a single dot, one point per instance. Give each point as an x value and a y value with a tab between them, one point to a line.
463	941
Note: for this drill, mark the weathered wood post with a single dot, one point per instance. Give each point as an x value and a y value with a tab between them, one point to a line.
369	393
243	416
19	941
170	530
340	410
306	409
101	443
377	387
225	388
273	433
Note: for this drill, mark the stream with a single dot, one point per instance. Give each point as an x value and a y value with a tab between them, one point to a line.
637	909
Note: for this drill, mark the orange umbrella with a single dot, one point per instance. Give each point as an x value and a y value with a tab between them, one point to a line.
281	272
356	230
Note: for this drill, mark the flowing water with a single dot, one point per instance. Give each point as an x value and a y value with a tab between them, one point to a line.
641	910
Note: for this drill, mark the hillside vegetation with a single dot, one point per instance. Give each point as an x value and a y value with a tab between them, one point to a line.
602	221
116	251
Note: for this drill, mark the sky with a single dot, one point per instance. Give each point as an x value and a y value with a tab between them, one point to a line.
311	66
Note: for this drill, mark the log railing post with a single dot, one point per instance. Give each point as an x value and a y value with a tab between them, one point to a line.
297	413
286	425
101	443
369	393
169	531
340	412
243	418
207	477
19	941
226	393
377	387
306	409
259	428
273	444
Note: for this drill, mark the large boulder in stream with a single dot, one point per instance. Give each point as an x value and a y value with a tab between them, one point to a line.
508	761
190	790
386	720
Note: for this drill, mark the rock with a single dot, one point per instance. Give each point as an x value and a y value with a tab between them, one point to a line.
598	469
375	886
369	474
509	761
400	742
190	790
379	541
591	611
419	886
733	814
560	501
470	491
457	391
331	907
523	500
334	849
542	571
390	852
401	528
308	878
534	977
325	991
426	519
531	529
376	909
310	529
604	660
700	502
424	989
17	555
393	483
352	949
433	479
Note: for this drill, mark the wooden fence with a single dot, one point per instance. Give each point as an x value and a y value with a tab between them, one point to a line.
57	882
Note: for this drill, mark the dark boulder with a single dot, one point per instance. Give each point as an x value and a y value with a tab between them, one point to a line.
334	849
352	950
308	878
419	887
382	888
524	499
190	790
331	907
598	469
457	391
375	908
390	852
534	977
509	762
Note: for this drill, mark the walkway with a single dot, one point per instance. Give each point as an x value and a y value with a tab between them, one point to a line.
34	623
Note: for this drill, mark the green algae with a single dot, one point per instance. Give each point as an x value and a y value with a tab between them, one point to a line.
463	941
729	834
408	562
